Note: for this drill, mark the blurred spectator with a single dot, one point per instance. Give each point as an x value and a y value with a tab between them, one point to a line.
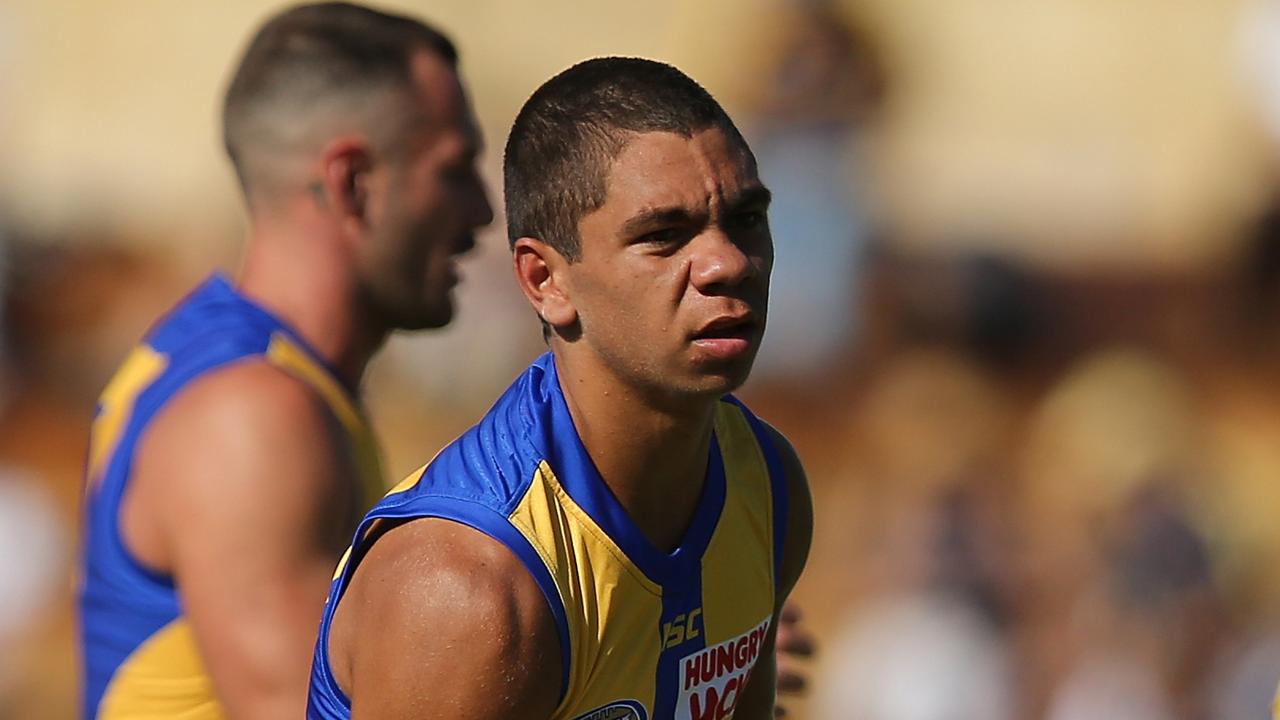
1243	681
1112	545
916	657
932	648
1149	632
1259	50
1111	686
73	308
929	639
805	139
6	379
33	579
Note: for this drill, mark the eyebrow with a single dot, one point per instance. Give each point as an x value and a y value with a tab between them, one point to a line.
647	219
754	196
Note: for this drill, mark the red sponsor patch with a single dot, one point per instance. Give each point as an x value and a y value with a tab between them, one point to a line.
711	680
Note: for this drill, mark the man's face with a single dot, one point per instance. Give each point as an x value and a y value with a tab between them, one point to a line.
430	202
672	284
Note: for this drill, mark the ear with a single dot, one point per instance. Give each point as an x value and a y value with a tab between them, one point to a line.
541	273
345	163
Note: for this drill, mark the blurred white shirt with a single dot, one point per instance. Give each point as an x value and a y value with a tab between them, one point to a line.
916	657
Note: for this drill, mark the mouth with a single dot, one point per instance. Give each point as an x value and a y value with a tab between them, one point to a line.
460	248
728	336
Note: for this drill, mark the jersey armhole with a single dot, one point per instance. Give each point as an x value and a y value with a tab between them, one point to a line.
777	487
490	522
107	497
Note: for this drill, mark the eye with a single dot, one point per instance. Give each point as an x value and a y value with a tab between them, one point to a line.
664	236
749	220
459	173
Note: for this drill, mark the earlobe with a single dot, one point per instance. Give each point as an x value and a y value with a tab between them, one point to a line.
539	270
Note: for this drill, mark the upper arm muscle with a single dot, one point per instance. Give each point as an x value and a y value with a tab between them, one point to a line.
442	621
245	486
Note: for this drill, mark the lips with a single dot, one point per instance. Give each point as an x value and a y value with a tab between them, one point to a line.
464	244
727	337
728	326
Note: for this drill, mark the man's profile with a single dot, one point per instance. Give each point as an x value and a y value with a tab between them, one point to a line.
229	456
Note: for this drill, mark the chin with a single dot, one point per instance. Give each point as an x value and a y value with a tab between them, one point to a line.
731	384
717	384
425	318
723	377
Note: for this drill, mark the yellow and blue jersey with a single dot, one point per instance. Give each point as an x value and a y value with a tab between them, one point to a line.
643	633
139	656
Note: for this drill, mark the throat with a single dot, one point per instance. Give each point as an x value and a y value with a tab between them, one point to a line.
666	518
652	459
659	483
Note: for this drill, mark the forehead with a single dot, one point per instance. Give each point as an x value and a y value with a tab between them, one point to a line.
662	169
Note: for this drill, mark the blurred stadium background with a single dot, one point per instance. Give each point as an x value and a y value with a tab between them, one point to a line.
1025	328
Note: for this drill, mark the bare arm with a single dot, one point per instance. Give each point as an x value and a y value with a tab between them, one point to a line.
758	699
443	622
243	491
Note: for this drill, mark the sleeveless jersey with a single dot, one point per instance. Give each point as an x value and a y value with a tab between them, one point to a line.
139	656
643	633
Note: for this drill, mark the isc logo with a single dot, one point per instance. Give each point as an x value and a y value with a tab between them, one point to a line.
681	627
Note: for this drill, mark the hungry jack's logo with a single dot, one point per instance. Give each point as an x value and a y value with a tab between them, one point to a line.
712	680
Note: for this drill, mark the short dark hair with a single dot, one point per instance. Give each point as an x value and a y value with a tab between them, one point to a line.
309	56
557	156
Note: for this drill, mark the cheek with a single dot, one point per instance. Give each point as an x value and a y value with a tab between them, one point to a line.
603	302
764	269
647	301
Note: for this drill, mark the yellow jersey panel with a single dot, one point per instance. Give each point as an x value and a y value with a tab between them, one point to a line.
614	599
115	406
163	678
747	518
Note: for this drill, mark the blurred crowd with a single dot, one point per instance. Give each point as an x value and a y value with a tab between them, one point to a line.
1044	449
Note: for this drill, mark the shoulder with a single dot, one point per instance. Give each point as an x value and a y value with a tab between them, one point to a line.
251	383
771	440
247	403
445	566
788	457
246	434
445	615
489	466
243	413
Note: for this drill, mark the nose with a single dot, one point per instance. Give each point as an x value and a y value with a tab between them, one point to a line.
720	262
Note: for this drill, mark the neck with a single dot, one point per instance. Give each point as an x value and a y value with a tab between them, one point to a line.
298	271
653	457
